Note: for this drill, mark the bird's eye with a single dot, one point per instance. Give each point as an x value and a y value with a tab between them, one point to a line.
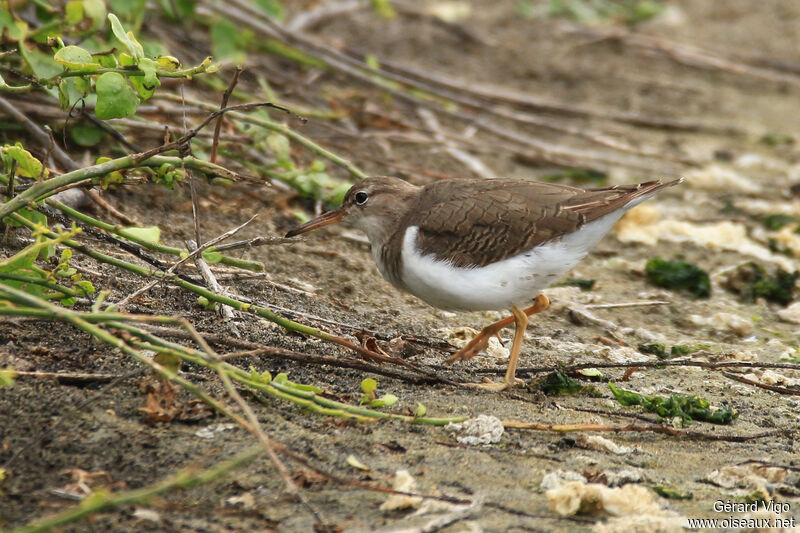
361	198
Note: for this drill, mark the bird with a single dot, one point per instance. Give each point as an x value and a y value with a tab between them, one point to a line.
482	244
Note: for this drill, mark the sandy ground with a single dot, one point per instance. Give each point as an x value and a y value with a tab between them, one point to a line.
714	220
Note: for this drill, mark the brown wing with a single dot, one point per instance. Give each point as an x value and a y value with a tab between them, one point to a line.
478	222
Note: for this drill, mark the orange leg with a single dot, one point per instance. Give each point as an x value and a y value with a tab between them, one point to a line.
481	340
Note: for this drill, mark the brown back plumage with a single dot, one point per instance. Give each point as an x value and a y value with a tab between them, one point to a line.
473	223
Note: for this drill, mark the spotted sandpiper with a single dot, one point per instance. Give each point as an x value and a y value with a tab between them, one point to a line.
476	245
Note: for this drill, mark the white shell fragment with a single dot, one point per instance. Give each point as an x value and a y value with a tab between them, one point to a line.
403	481
483	429
791	313
574	497
596	442
725	322
718	178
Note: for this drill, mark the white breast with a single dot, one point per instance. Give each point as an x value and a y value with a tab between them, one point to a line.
513	281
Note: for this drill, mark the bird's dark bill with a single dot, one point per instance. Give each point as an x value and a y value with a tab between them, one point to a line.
325	219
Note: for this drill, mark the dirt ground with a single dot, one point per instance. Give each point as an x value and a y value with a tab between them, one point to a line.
713	220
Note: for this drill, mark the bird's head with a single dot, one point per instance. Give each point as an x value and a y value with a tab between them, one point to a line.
374	205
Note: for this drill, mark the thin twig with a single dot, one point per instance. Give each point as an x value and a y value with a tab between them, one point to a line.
225	97
99	200
643	303
183	142
256	241
213	284
773	388
69	377
189	256
254	349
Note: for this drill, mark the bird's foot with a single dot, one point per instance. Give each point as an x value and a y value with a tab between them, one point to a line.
471	349
478	343
494	386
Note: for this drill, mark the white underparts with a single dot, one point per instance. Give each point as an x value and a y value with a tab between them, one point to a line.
513	281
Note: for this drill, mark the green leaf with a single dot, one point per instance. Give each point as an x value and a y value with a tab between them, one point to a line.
22	260
384	8
76	58
42	65
680	349
85	286
372	61
353	461
420	410
7	378
74	89
775	221
678	275
147	84
685	408
27	165
168	63
73	12
147	233
167	175
127	9
127	39
171	362
591	373
95	10
228	41
654	348
751	281
15	30
369	385
86	134
337	194
581	283
37	218
384	401
106	60
273	8
205	302
115	98
558	382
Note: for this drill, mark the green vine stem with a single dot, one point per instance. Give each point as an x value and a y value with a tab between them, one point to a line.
43	189
263	312
206	67
65	291
102	500
142	339
255	266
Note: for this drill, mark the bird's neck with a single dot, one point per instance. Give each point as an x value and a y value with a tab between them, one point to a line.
380	227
